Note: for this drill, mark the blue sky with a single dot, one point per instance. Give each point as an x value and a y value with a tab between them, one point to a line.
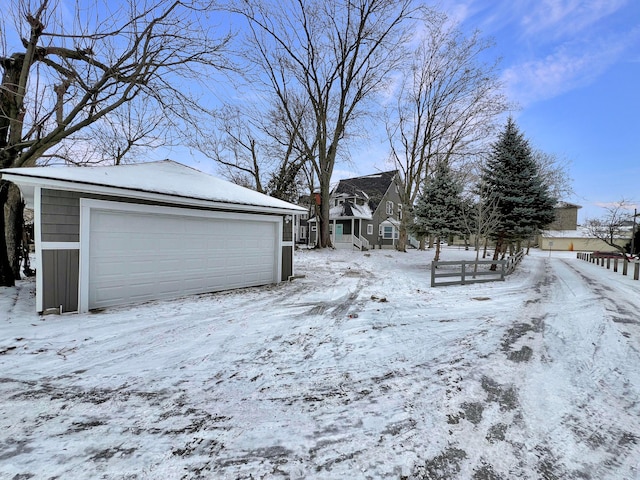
573	66
573	69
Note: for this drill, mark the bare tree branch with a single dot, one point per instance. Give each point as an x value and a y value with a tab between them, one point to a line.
446	107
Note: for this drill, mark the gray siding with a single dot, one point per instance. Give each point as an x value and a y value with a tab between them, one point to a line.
60	279
60	216
287	231
380	215
287	263
61	213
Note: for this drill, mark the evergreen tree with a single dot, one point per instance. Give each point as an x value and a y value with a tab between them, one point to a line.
525	205
438	211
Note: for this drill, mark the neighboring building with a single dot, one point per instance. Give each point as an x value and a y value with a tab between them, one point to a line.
577	240
564	233
301	231
365	212
566	216
124	234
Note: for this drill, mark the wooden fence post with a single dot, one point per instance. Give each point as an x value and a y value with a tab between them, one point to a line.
608	263
636	271
615	264
625	265
433	274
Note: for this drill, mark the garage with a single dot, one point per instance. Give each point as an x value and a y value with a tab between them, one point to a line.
109	236
191	254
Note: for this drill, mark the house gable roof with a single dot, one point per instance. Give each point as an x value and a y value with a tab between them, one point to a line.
372	186
165	178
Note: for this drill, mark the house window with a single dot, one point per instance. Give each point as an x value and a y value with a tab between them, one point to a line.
313	228
389	208
387	232
370	229
399	212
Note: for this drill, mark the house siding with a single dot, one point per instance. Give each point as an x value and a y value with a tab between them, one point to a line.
565	219
380	215
63	207
60	279
578	244
287	262
60	217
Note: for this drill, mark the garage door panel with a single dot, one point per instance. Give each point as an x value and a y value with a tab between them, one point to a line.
137	257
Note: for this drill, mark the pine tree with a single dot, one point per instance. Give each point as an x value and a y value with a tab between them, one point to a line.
438	211
525	205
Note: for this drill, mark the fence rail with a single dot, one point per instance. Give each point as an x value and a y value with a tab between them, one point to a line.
465	275
611	261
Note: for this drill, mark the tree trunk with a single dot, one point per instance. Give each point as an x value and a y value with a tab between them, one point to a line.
14	218
324	239
497	251
437	256
401	246
475	265
7	278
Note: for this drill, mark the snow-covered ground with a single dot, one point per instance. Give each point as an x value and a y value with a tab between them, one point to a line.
359	370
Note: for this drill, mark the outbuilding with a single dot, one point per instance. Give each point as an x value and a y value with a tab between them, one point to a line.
115	235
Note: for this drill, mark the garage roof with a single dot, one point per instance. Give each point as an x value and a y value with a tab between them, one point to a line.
165	180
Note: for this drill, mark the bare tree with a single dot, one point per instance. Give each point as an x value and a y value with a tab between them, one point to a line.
327	57
69	73
237	147
554	173
480	218
256	149
447	104
613	228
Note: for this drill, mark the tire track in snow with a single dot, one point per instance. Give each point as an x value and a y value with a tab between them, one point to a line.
596	410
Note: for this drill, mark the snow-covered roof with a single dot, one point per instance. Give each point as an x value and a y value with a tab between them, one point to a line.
165	177
348	210
562	204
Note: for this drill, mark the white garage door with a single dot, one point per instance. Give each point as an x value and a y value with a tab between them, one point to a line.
136	257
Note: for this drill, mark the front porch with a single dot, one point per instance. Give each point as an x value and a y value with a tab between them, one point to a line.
345	234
